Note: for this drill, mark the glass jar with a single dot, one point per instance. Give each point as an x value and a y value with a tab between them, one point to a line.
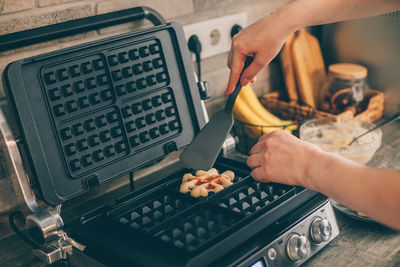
345	88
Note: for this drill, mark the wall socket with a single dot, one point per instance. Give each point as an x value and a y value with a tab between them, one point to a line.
215	34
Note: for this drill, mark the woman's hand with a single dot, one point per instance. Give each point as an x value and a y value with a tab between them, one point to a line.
263	41
265	38
282	158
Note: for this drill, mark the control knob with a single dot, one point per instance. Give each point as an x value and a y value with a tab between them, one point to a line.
297	247
320	230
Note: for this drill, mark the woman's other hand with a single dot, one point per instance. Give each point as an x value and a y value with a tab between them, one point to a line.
282	158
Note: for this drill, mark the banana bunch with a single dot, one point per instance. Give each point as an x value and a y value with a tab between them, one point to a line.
249	110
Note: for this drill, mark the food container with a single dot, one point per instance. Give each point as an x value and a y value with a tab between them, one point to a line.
333	136
345	88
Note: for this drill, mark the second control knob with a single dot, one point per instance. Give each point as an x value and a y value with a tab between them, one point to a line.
297	247
320	230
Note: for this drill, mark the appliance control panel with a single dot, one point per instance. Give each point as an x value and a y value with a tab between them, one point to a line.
300	242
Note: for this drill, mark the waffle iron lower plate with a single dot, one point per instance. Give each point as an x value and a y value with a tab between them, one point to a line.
160	226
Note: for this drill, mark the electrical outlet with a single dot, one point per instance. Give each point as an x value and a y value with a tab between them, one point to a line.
215	34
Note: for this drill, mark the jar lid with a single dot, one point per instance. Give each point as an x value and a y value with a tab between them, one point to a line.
348	71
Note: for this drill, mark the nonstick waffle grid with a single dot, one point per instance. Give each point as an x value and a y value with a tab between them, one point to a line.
189	224
90	113
196	227
149	211
251	196
128	89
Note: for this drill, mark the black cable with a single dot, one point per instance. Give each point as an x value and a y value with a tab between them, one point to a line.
21	235
235	29
194	45
198	66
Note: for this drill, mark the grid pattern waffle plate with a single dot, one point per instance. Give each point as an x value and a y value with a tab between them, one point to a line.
90	113
191	224
88	83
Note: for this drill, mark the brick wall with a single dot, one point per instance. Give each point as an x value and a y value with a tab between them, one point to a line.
17	15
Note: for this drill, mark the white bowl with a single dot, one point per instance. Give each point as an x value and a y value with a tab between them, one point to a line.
333	136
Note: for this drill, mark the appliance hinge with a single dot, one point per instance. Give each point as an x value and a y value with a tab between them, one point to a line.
45	228
44	225
58	250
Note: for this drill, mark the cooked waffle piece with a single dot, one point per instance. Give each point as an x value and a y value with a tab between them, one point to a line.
206	181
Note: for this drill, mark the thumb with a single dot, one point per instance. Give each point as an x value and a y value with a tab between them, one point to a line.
236	68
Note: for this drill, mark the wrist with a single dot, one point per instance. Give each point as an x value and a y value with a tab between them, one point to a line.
316	163
291	17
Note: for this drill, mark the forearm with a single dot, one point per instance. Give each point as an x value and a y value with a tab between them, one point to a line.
303	13
375	192
264	39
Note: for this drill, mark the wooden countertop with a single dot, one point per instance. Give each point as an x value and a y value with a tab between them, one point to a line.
360	243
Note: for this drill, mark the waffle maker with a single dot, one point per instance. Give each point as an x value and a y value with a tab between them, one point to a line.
88	114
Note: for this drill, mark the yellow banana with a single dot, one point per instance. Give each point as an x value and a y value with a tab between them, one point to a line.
250	98
243	113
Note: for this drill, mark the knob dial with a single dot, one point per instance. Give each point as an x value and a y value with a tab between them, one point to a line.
320	230
297	247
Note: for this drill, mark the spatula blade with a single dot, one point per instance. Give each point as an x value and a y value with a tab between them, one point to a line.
203	151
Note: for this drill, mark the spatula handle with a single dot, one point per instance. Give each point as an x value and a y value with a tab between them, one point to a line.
232	97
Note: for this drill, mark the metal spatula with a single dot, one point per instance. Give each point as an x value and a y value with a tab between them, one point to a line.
204	149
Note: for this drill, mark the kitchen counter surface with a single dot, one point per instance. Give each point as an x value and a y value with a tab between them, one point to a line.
360	243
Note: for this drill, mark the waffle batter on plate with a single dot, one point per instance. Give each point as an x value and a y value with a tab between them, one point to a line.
206	181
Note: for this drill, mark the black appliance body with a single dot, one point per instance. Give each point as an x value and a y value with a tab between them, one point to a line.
91	113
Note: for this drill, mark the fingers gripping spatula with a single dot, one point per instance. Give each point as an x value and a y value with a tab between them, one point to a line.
204	149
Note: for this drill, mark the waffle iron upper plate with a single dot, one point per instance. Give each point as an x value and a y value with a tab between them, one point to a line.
90	113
